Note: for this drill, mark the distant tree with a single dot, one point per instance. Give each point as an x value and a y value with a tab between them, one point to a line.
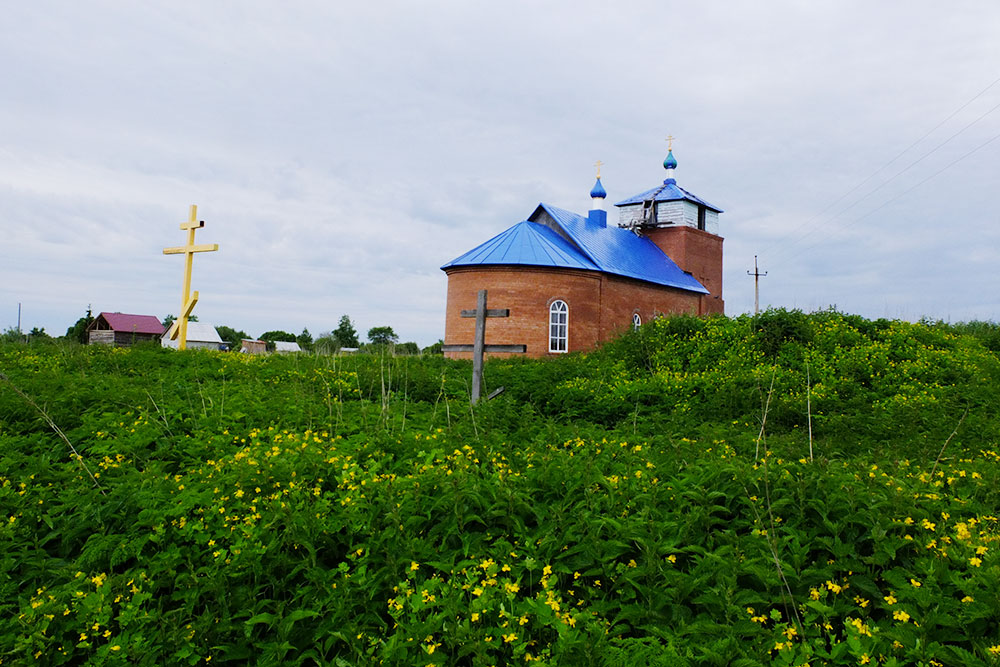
169	319
407	348
284	336
78	331
231	336
305	339
38	334
436	348
326	343
346	333
382	336
11	335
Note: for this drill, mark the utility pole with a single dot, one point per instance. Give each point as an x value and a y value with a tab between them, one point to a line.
756	285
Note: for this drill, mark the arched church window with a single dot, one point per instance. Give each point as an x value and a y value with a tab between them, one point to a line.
558	326
636	321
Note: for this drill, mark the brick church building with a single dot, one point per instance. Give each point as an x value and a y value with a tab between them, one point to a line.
572	281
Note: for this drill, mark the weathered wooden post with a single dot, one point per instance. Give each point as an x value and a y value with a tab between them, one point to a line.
479	346
188	300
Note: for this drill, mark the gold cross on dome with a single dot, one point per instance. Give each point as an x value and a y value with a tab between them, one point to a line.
670	142
188	300
598	165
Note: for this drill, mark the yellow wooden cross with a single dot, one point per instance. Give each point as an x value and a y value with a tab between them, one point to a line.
188	300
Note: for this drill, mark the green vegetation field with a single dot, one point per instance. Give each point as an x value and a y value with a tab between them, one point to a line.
787	489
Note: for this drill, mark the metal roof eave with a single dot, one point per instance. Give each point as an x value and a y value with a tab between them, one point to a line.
668	192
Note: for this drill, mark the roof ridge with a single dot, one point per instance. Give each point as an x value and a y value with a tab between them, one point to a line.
576	242
527	243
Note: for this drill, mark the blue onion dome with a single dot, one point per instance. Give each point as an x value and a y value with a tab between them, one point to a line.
598	192
670	162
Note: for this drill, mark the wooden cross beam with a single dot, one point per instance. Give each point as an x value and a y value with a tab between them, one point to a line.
188	300
479	343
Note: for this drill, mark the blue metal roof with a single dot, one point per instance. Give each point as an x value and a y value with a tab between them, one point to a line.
527	243
577	242
619	251
669	191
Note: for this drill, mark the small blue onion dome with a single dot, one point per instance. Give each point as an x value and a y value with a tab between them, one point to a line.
670	162
598	192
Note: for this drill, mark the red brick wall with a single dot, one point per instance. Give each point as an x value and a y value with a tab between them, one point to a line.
527	292
623	297
600	305
700	254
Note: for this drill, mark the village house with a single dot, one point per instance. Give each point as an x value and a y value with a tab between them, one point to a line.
253	346
123	330
570	281
200	336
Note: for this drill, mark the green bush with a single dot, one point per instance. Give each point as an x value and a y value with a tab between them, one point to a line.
613	508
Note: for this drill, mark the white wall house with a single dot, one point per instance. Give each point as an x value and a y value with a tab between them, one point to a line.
199	337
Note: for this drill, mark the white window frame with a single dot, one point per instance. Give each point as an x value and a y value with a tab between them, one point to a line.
636	321
559	327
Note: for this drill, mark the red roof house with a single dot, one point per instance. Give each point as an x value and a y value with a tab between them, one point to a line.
122	329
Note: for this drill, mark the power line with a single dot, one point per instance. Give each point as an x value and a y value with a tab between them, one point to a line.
901	194
785	243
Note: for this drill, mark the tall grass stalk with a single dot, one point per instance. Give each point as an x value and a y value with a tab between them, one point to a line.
941	453
809	413
163	417
55	427
763	421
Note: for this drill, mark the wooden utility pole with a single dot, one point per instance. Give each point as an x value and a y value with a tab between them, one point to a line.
188	300
479	345
756	285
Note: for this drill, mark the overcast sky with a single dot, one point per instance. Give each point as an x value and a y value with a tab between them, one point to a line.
340	153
